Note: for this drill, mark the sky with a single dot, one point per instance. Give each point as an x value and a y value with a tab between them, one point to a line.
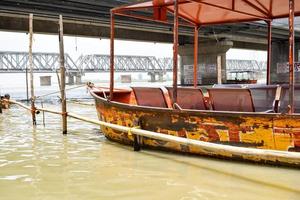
76	46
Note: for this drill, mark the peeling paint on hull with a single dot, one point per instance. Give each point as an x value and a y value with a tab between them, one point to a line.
253	130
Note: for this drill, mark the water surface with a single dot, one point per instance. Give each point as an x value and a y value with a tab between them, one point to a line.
41	163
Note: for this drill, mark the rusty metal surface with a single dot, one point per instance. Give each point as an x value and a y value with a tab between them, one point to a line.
196	43
175	52
216	11
269	59
254	130
112	54
291	56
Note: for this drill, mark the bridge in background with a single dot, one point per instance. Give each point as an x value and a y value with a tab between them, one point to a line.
18	62
91	18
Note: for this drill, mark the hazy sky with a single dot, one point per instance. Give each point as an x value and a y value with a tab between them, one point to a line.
76	46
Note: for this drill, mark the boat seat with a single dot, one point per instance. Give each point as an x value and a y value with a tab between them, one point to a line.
231	99
284	99
264	97
152	97
189	98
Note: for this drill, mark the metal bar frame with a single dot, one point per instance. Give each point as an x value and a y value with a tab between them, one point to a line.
291	56
112	55
175	52
196	43
269	58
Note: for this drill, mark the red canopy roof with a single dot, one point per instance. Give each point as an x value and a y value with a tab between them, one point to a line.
205	12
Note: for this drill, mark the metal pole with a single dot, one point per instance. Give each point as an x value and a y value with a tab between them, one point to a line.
196	33
175	51
219	69
269	52
291	55
33	109
112	55
62	75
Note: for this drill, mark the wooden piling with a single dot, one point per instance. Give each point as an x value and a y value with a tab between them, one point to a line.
27	89
31	70
62	76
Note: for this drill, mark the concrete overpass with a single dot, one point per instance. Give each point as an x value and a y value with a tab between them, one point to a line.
91	18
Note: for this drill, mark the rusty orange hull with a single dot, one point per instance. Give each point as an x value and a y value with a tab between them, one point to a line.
253	130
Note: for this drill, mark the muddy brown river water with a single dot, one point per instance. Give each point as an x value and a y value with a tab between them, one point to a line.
41	163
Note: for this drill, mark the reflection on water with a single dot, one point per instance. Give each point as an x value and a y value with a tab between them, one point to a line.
41	163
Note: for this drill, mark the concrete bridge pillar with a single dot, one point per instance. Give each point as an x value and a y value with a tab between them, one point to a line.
74	78
279	62
155	74
78	79
70	79
208	55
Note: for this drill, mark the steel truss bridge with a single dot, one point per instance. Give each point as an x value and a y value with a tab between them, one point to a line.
18	62
96	63
246	65
15	62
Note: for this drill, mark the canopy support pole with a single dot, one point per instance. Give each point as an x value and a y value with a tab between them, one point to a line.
175	52
291	55
196	35
112	55
32	99
62	76
269	52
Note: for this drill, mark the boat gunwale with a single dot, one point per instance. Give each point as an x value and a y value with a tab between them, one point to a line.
190	111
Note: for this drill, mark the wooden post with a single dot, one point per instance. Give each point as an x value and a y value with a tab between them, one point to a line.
33	109
175	52
27	90
219	69
62	75
291	55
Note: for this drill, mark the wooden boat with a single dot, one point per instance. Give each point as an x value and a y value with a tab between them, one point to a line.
261	117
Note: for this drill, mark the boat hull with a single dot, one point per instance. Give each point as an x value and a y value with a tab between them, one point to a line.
253	130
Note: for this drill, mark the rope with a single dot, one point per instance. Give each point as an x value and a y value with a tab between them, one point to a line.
42	96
